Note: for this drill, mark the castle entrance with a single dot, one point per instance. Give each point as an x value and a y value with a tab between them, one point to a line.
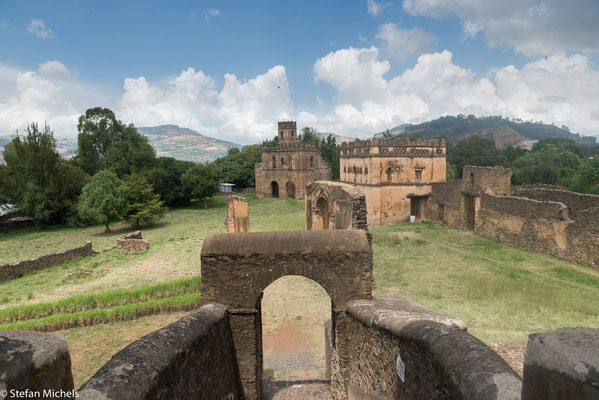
290	188
237	268
274	189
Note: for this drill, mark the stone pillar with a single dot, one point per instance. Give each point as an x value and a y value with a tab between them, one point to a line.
238	216
35	361
562	364
247	339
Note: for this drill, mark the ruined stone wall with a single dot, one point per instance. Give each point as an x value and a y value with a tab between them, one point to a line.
14	271
345	206
190	358
445	204
442	361
542	226
238	214
577	203
132	243
491	180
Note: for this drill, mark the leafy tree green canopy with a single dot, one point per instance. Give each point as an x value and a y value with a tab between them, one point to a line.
104	199
145	207
475	150
202	181
168	178
238	167
37	180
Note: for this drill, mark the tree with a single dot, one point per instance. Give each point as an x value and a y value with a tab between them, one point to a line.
103	199
98	132
475	150
309	135
331	152
238	167
145	207
37	180
548	165
451	172
169	186
202	181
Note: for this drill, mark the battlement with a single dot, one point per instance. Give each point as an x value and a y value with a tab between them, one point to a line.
287	125
291	146
394	147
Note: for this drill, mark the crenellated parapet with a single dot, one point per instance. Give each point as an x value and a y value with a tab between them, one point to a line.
390	147
290	147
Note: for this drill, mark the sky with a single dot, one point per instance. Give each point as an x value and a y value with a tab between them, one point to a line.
232	69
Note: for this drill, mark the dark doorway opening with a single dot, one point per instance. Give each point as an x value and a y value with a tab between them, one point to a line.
290	187
470	207
417	204
274	189
323	207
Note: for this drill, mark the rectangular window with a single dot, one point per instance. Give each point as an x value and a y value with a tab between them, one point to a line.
418	174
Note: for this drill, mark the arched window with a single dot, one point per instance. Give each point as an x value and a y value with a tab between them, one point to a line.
290	166
311	161
389	174
282	162
366	171
273	162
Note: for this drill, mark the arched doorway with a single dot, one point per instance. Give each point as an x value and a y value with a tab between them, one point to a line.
323	209
294	312
290	187
274	189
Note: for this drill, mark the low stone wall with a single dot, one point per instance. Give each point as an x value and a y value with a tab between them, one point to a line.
542	226
14	271
576	202
439	359
132	243
190	358
36	362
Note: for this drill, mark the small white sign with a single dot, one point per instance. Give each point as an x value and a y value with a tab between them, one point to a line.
400	367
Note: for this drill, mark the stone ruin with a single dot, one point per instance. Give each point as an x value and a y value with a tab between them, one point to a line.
238	214
335	205
132	243
378	347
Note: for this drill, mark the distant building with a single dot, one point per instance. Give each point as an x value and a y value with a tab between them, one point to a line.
226	187
526	144
286	169
394	174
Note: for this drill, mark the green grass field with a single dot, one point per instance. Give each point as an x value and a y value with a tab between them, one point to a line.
501	292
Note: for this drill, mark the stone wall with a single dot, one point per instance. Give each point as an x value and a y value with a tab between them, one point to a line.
14	271
36	362
190	358
577	203
439	358
335	205
238	214
132	243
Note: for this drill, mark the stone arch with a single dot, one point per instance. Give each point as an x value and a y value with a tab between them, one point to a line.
323	209
237	268
274	189
290	189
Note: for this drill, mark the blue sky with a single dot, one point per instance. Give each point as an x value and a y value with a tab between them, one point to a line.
231	69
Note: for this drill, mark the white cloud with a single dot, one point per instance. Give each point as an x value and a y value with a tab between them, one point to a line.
241	111
560	89
38	28
531	27
403	44
375	8
212	13
52	94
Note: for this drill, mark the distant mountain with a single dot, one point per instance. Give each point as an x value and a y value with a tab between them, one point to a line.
168	141
338	138
503	131
185	144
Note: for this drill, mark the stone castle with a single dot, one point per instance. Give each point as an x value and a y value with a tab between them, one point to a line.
289	166
395	175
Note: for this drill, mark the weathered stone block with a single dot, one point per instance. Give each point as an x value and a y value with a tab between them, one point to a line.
562	364
238	215
132	243
34	361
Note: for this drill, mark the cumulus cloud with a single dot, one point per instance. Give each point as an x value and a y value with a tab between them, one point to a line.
531	27
403	44
242	111
375	8
212	13
38	28
51	94
560	89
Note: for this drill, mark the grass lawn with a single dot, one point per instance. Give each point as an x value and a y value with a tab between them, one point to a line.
501	292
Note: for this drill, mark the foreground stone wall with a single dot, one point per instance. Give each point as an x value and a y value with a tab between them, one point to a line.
335	205
190	358
440	359
238	215
14	271
34	361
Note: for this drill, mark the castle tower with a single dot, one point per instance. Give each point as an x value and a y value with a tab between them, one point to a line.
287	132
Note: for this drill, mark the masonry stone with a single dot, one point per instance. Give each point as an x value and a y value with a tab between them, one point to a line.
238	216
132	243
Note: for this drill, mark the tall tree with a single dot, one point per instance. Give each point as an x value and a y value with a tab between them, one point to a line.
331	152
35	178
475	150
104	199
99	130
169	185
202	181
145	207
